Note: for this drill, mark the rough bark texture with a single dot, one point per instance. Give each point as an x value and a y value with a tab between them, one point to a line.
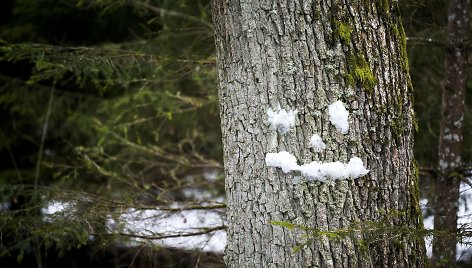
451	135
305	55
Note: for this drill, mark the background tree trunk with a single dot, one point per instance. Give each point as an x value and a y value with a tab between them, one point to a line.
306	55
451	135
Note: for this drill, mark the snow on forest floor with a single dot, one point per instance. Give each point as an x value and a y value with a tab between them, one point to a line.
464	249
152	223
156	222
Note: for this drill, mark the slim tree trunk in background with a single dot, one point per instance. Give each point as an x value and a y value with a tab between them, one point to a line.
303	56
450	138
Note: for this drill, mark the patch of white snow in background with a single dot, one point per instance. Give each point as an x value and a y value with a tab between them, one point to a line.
55	207
210	175
4	206
282	119
428	223
197	194
338	115
464	251
464	219
317	143
154	222
315	170
284	160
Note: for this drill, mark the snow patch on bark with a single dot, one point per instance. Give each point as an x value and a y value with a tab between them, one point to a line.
316	170
282	120
284	160
338	115
317	142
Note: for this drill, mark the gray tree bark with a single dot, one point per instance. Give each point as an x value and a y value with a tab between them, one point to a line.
305	55
451	135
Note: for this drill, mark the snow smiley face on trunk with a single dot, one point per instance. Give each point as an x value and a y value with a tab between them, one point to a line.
338	116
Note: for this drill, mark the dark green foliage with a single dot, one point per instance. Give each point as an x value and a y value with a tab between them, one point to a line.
426	26
363	234
424	23
428	22
69	22
133	120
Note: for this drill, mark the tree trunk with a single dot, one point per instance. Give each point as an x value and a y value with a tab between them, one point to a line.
451	135
304	56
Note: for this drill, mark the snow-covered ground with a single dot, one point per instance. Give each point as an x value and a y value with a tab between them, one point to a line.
140	223
464	251
155	222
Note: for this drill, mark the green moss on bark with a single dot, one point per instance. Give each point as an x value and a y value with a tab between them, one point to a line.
359	72
343	30
383	7
397	127
401	36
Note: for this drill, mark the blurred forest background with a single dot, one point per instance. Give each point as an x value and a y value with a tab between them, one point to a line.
110	147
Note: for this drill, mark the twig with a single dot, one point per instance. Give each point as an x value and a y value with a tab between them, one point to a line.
147	237
424	41
43	137
168	12
12	157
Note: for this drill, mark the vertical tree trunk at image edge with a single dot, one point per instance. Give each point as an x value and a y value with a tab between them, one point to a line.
451	135
279	60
